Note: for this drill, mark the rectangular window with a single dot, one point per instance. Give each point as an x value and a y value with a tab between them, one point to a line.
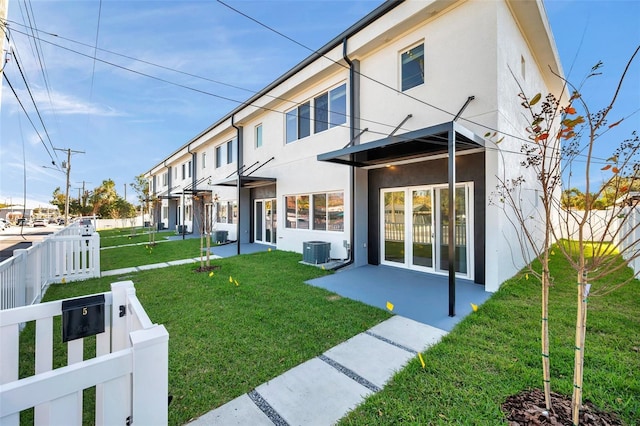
328	211
303	211
335	209
184	172
412	63
298	122
165	179
189	169
290	203
258	135
175	173
204	160
321	110
218	156
222	213
320	212
230	152
165	212
338	106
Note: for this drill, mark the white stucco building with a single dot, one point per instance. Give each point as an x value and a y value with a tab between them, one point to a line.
355	146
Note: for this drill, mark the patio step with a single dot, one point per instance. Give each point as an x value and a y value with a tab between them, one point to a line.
324	389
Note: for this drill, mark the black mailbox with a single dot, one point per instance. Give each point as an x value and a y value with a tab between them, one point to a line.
82	317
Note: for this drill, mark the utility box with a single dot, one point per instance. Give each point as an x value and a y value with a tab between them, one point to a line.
220	236
316	252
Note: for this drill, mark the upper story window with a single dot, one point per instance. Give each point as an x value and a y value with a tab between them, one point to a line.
230	152
329	110
299	122
412	67
219	156
165	179
258	135
204	160
189	169
175	173
184	171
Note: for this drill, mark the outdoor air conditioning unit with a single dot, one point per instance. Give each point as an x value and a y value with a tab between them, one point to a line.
316	252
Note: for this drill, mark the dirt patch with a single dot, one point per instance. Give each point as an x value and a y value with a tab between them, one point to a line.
333	298
527	409
207	268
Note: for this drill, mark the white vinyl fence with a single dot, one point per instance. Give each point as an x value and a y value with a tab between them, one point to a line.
71	254
624	229
130	370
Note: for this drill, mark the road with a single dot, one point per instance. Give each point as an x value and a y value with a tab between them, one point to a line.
16	237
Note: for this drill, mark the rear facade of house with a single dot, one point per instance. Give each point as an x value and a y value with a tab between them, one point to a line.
372	144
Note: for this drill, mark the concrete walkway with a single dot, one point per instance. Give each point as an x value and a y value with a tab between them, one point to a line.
322	390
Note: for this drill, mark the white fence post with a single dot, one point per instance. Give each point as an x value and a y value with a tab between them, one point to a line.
22	279
150	376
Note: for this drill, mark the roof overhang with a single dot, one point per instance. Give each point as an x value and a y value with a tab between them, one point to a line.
245	181
417	144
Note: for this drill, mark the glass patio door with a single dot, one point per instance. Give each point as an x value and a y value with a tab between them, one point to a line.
461	230
266	221
415	228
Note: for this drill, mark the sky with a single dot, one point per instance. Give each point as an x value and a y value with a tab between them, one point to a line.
166	70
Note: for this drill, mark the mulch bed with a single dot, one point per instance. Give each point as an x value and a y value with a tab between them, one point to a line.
527	409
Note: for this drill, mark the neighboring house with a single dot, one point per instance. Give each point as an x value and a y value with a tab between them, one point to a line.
354	147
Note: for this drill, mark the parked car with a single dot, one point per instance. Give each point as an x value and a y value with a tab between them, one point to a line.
22	222
5	222
39	222
2	226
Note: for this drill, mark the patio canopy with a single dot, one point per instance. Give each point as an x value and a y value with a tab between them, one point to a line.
442	139
245	181
422	143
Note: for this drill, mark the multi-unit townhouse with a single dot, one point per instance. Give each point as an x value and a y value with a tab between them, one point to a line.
371	143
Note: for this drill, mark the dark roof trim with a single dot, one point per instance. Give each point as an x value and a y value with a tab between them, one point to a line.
246	181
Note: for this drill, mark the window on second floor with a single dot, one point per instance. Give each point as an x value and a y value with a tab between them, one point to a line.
299	122
412	67
165	179
230	152
184	171
189	169
258	135
330	109
218	156
204	160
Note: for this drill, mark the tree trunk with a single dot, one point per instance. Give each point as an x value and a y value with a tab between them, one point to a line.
581	326
546	373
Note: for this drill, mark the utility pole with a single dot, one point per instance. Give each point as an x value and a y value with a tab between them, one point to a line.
67	165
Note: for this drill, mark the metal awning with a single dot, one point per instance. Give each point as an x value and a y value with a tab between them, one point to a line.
444	140
422	143
245	181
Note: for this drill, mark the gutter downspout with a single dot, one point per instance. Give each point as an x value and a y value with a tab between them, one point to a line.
183	211
238	171
352	136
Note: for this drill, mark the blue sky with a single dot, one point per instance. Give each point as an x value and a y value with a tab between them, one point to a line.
126	123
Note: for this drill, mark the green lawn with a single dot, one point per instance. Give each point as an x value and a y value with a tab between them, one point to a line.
224	340
114	237
495	353
123	257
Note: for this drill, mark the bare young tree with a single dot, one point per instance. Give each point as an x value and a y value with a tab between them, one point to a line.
558	137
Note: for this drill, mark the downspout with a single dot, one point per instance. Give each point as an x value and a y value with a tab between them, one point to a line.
183	211
238	171
352	135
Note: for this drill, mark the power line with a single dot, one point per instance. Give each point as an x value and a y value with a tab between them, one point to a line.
30	121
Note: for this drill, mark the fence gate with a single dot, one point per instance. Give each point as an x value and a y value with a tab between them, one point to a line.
129	370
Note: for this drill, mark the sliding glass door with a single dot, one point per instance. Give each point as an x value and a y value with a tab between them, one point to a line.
415	228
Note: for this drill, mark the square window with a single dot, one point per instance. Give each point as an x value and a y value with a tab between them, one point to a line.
412	67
